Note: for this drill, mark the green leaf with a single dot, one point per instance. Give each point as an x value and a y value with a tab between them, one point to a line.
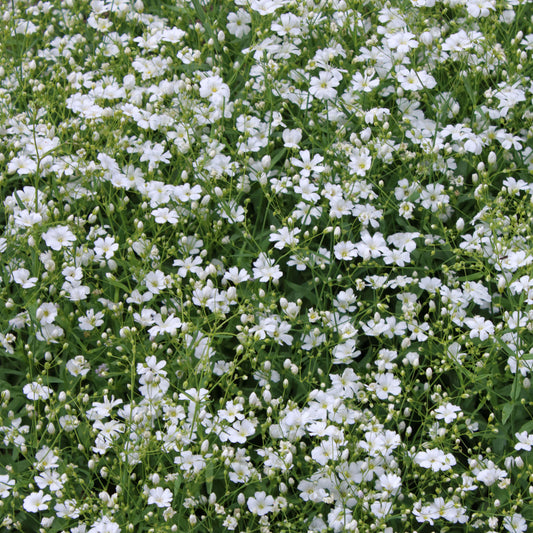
507	410
302	290
209	477
528	426
499	444
470	91
515	389
471	277
177	484
206	23
118	284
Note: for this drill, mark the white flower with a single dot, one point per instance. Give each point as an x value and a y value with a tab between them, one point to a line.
285	237
69	422
36	501
265	7
515	524
292	138
490	475
36	391
109	431
214	88
27	218
160	497
387	384
435	459
59	237
390	482
238	23
306	188
91	320
5	485
525	441
104	525
345	250
323	87
50	479
480	8
308	164
46	313
287	24
266	269
67	509
170	325
345	353
412	80
21	276
105	247
447	412
78	366
364	82
239	432
479	327
371	245
260	504
381	509
22	165
46	459
236	276
154	155
402	42
190	462
156	281
164	214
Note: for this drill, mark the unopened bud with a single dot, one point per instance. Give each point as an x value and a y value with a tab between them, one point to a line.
426	38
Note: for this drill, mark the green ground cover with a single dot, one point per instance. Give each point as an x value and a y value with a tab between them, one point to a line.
266	265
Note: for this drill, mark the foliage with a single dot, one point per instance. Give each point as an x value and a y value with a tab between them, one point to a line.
266	266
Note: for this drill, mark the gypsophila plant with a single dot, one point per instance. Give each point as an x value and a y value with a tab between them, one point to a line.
266	266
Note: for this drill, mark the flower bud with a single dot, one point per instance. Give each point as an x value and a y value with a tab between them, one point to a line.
426	38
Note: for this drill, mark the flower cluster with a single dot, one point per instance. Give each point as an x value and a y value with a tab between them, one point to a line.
266	265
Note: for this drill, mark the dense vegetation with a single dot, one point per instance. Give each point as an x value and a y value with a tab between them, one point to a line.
266	266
